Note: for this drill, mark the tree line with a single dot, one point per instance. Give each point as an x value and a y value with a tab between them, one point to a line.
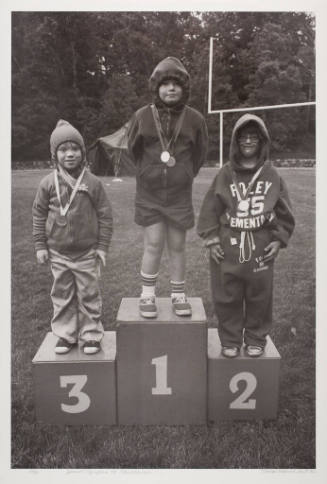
92	69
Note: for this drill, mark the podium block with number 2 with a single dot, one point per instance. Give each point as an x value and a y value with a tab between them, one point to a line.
161	365
242	387
76	388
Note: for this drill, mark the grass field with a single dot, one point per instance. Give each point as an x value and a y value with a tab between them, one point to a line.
287	442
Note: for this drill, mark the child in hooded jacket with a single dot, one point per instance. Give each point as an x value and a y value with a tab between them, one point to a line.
245	219
168	142
72	227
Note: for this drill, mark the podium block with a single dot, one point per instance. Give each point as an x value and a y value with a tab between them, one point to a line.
161	365
76	388
242	387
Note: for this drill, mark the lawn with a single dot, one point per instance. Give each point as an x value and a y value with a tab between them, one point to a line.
287	442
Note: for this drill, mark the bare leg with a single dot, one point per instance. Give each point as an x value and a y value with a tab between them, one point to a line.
176	250
154	241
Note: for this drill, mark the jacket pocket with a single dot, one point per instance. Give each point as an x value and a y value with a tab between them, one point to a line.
180	175
152	175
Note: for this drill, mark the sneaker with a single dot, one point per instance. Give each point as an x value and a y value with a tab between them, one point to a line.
181	306
147	307
63	346
254	351
91	347
230	351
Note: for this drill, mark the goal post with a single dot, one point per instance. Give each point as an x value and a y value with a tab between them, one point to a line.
237	110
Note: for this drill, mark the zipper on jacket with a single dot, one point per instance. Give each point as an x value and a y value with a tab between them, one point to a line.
165	183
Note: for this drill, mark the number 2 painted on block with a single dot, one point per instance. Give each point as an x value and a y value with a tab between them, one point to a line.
83	400
240	402
161	387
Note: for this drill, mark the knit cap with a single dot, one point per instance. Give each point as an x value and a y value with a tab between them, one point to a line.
170	68
63	132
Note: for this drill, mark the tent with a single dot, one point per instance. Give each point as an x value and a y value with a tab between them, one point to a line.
108	155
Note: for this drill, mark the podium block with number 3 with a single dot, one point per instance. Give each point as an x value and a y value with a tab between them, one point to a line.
76	388
161	365
242	387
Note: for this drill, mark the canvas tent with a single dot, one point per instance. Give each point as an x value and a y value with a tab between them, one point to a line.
108	156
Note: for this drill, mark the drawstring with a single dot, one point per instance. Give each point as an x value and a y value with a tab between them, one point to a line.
251	246
246	236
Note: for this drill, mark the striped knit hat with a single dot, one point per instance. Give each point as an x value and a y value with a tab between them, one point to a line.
63	132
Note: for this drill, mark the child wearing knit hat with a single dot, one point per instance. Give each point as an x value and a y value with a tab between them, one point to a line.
72	228
167	141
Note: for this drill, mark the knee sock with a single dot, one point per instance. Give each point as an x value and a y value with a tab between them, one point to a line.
148	284
177	288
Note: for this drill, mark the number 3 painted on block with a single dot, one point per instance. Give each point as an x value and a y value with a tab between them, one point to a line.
83	400
251	383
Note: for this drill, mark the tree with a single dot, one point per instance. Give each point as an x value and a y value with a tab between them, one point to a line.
92	68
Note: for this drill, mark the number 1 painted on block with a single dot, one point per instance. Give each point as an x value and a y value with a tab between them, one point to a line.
161	387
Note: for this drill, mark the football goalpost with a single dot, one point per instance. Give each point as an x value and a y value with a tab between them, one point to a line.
247	109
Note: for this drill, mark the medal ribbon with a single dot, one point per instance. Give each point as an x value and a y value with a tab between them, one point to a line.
250	186
64	210
165	145
246	236
67	177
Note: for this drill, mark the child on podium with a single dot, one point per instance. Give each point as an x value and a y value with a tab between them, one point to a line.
167	141
72	228
244	220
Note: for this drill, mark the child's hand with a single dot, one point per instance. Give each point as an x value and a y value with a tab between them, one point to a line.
271	250
42	256
216	252
102	256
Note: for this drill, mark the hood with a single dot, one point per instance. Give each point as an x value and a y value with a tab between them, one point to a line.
170	68
234	153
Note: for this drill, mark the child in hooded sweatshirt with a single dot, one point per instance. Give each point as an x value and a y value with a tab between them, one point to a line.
245	219
167	141
72	227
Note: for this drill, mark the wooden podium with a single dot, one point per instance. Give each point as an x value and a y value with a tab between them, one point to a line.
76	388
242	387
161	365
168	370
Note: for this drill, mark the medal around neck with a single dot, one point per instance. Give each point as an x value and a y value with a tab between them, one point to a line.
164	157
171	162
61	220
243	206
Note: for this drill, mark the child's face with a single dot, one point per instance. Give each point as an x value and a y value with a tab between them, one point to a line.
170	91
69	155
249	142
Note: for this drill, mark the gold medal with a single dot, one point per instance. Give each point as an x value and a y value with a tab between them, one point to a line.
171	162
164	157
243	206
61	220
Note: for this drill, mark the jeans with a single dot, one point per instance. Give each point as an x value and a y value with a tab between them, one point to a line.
76	298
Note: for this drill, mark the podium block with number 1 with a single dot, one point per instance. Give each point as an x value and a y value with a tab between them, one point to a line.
161	365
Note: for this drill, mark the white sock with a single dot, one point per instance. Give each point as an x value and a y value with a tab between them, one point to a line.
148	291
149	284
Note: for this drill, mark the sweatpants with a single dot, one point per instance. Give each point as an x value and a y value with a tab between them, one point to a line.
76	298
242	293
